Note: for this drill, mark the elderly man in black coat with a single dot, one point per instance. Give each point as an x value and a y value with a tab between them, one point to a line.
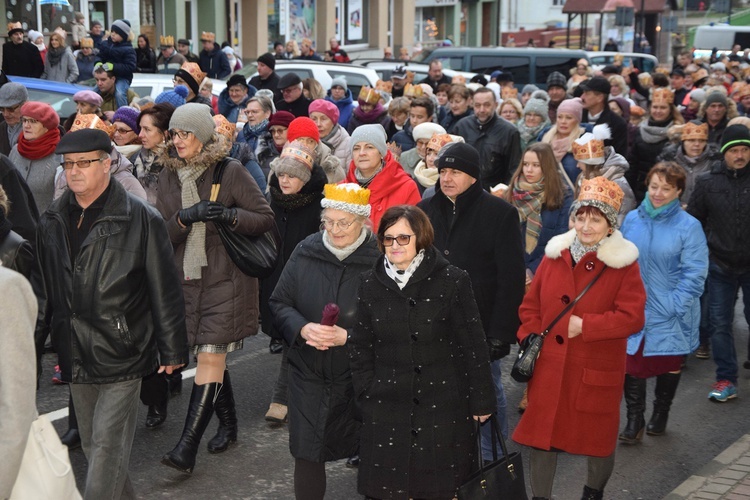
21	58
481	234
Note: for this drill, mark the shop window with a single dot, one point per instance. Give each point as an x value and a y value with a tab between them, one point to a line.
23	11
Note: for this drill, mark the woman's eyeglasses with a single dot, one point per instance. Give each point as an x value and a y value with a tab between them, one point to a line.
340	224
182	134
401	239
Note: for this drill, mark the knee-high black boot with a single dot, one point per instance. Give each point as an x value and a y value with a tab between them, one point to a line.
591	493
666	386
226	434
182	457
635	398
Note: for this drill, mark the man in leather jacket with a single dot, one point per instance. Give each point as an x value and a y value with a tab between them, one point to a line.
481	234
112	298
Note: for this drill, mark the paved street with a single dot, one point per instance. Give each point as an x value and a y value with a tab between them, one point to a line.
260	467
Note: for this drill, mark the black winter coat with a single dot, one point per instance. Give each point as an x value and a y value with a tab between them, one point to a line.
23	59
23	212
421	369
323	422
271	83
721	202
297	108
617	127
215	63
498	143
118	311
145	60
643	156
481	234
297	217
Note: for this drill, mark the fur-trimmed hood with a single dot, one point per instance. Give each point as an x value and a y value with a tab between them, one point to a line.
616	251
212	153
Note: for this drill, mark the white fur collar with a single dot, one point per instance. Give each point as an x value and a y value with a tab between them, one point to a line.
616	251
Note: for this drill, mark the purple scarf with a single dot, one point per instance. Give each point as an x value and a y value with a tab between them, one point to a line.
371	116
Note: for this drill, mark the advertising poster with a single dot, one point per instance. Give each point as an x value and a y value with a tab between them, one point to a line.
355	20
301	19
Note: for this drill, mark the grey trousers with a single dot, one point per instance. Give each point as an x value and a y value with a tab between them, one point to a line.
107	416
543	466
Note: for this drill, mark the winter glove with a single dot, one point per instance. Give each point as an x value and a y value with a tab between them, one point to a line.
202	211
107	66
498	349
222	214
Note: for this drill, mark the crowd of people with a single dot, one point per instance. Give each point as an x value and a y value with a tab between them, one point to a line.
424	229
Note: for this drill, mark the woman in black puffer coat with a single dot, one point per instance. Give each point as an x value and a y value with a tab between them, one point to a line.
295	193
325	268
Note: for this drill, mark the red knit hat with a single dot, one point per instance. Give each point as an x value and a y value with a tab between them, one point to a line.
42	112
302	127
327	108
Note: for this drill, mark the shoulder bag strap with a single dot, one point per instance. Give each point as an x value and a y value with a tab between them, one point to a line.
570	306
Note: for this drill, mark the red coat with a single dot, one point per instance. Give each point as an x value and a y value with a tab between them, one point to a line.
391	186
574	396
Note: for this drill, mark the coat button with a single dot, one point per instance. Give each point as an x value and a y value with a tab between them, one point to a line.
414	432
559	339
416	401
414	337
418	369
565	299
412	302
589	266
446	252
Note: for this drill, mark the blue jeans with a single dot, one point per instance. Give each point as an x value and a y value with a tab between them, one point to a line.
121	92
107	416
723	286
502	418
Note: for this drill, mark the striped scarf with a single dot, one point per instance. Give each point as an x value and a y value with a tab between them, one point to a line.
528	199
195	246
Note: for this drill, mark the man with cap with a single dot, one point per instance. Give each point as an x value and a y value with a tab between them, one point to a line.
677	84
714	111
109	330
96	33
596	111
12	97
556	89
497	140
169	60
106	82
183	47
435	75
720	202
480	234
292	98
213	61
267	78
398	78
21	58
234	97
118	56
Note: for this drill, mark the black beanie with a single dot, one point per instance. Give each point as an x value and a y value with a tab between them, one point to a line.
194	86
735	135
268	60
460	156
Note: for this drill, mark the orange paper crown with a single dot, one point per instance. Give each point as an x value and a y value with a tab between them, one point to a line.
87	43
593	149
695	132
509	93
91	121
662	95
207	36
601	190
225	127
384	86
414	91
166	41
369	95
743	90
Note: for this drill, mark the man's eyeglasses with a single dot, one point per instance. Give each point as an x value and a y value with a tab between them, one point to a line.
181	134
401	239
340	224
10	109
67	165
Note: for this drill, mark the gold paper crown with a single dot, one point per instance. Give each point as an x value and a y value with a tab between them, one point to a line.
743	90
369	95
413	90
207	36
194	71
509	93
437	141
695	132
298	151
347	197
589	151
91	121
224	127
662	95
385	86
14	27
166	41
87	43
601	191
699	75
458	80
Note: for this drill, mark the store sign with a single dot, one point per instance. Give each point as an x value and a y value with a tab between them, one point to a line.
435	3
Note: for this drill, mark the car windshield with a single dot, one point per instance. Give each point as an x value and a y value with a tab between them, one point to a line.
61	102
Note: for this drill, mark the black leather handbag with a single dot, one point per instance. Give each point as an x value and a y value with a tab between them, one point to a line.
531	347
502	478
255	256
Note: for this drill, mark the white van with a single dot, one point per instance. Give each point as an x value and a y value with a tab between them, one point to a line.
720	36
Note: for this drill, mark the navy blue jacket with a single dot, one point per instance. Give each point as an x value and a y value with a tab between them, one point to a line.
122	57
554	222
215	63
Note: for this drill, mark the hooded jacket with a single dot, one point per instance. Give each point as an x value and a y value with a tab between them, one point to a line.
480	234
391	186
498	143
721	203
214	63
222	306
693	166
673	257
115	310
614	168
339	142
575	394
345	105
